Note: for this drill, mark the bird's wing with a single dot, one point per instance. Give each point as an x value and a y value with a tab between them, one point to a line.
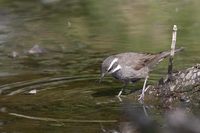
136	60
145	60
141	60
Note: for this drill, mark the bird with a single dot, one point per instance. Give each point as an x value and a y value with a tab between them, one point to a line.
130	67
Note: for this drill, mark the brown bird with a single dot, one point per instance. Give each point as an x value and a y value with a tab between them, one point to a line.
130	67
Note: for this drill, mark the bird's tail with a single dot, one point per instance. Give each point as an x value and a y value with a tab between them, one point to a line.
160	56
167	53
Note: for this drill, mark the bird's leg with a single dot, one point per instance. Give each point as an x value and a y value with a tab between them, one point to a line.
120	93
143	89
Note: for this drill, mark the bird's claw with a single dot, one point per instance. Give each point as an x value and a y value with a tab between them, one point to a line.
141	97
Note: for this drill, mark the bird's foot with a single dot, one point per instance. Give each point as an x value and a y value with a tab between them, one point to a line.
120	93
141	97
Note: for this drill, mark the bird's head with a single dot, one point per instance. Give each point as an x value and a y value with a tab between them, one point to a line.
109	66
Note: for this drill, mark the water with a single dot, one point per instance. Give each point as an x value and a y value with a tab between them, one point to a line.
76	36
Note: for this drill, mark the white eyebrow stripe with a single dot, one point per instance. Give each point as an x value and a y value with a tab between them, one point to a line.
112	63
116	69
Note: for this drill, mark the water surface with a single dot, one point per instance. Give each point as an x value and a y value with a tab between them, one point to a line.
76	36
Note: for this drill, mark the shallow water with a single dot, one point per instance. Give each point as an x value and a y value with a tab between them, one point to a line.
75	36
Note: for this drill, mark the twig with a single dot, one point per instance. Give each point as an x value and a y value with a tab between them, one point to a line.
61	120
173	45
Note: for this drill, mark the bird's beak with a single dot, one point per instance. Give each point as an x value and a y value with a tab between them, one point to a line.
101	78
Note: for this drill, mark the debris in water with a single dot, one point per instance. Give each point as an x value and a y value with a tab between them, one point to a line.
13	54
36	49
32	92
69	24
3	109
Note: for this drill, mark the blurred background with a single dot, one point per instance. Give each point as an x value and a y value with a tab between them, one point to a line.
42	40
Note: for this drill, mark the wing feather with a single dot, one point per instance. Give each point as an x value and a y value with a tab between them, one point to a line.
136	60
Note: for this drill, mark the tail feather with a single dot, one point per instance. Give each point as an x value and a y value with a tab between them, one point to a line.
167	53
162	55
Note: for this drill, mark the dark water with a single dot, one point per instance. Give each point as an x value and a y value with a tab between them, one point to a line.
75	36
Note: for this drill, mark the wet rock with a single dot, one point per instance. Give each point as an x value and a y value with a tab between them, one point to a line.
184	87
182	81
185	99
